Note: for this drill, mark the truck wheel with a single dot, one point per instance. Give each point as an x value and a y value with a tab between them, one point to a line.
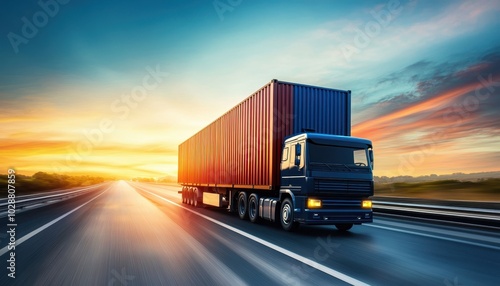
243	205
344	226
195	197
286	215
253	208
185	196
190	196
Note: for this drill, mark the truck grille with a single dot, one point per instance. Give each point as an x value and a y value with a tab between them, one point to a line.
343	187
341	204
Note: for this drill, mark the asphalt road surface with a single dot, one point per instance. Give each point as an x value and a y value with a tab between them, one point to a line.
125	233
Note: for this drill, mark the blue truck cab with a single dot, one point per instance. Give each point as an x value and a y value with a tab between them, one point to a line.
326	179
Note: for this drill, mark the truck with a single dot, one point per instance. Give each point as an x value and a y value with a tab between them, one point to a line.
283	154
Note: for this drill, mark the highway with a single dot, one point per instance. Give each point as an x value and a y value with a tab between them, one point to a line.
128	233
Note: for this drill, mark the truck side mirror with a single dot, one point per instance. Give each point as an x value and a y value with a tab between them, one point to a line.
370	153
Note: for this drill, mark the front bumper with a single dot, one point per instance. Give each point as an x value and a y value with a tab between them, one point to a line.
332	216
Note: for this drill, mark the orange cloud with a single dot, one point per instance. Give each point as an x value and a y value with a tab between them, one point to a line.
376	126
432	136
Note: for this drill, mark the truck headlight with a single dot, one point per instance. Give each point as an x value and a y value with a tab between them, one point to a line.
313	203
366	204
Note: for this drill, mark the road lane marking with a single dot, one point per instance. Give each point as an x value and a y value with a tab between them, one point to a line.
43	227
269	269
435	236
307	261
58	194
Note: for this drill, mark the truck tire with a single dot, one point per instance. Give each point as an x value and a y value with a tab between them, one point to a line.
242	205
196	203
190	196
253	208
286	215
344	226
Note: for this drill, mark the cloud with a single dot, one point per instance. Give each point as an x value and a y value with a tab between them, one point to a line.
414	31
120	159
453	106
457	18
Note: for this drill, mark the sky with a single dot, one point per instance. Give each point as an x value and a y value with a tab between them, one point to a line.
113	87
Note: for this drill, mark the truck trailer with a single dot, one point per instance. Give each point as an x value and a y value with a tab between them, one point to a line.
283	154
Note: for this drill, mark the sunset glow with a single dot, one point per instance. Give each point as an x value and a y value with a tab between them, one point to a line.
115	96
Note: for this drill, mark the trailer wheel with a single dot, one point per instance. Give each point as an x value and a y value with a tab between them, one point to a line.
195	198
190	196
253	208
344	226
243	205
184	196
286	215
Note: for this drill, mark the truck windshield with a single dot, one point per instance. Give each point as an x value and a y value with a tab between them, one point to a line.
337	158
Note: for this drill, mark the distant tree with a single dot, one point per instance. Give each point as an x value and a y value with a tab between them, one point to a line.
50	181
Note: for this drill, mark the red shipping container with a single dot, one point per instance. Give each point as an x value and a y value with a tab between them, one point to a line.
242	148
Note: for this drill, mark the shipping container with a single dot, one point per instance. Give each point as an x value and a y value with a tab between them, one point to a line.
284	153
242	148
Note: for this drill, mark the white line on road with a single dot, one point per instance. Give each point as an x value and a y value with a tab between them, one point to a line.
435	236
58	194
309	262
38	230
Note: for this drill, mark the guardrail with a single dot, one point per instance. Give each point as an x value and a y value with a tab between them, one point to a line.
30	201
471	215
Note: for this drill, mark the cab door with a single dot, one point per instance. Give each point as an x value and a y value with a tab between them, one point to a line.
292	165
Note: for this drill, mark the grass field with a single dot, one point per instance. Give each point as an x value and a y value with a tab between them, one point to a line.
481	190
41	182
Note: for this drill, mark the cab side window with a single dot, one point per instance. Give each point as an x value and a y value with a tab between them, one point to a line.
285	158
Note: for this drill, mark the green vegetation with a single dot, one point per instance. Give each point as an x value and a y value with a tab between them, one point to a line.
169	180
480	190
41	182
